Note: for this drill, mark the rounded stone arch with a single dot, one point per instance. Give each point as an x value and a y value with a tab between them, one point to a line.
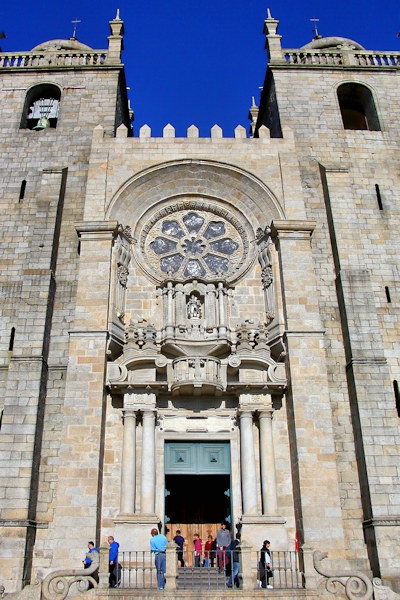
42	100
360	97
227	183
220	194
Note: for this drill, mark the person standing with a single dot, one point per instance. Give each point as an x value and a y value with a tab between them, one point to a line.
265	566
208	552
158	543
114	578
234	551
223	541
88	561
179	541
197	550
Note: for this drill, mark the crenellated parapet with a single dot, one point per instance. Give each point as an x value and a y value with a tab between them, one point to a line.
216	133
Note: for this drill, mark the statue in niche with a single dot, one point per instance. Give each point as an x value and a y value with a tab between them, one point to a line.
194	308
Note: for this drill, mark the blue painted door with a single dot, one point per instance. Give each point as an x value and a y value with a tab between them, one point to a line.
197	486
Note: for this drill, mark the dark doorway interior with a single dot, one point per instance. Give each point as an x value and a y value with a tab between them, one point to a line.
197	498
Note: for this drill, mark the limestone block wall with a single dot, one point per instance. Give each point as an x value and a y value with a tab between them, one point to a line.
355	249
137	185
39	263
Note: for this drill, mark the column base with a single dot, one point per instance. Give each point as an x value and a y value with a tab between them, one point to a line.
132	531
257	528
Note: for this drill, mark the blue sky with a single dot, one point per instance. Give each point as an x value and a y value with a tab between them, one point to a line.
197	62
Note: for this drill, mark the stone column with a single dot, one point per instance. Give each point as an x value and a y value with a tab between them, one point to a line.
147	505
221	310
170	309
248	463
267	461
128	467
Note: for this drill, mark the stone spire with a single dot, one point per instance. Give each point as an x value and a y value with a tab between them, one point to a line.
115	41
273	41
253	116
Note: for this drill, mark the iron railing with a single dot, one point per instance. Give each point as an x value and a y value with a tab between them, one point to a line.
137	571
287	571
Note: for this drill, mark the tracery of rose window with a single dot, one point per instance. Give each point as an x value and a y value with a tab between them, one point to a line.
195	244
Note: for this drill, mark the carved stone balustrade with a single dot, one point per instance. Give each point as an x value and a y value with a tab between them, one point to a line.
192	375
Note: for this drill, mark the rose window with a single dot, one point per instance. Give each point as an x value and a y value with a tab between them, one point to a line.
194	243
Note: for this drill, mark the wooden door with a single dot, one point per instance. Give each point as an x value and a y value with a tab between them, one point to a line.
187	531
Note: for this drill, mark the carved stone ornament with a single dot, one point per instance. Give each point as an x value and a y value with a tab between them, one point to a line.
126	231
194	308
382	592
356	584
194	239
123	275
29	592
266	277
57	584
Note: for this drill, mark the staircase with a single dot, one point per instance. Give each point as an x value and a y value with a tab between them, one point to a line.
201	578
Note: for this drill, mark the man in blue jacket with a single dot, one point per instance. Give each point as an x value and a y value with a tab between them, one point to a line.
88	561
113	562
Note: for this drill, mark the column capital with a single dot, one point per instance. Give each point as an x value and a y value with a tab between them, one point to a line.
140	402
266	412
245	411
148	411
129	411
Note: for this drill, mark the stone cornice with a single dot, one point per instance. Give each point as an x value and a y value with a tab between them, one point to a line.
23	523
96	227
389	521
291	226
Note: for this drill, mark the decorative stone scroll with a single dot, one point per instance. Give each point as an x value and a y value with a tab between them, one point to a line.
57	584
382	592
29	592
356	584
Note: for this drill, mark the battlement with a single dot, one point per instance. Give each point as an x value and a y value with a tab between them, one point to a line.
216	133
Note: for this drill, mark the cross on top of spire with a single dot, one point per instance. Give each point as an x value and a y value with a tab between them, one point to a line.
75	23
315	30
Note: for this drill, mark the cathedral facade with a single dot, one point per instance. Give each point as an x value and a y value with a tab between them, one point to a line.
200	330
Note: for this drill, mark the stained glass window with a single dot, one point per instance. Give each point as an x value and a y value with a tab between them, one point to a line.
195	244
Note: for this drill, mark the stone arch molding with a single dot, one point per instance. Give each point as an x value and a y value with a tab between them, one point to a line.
220	194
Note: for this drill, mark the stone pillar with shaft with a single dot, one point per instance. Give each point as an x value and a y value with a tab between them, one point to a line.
138	471
248	463
147	504
128	467
310	427
82	450
267	462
